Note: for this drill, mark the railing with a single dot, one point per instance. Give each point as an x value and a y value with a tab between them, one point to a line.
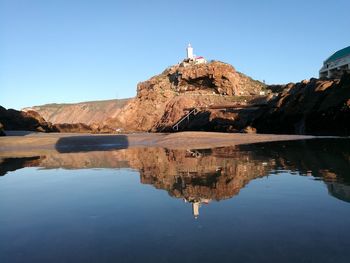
193	112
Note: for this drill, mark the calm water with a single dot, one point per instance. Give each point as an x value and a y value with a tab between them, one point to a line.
272	202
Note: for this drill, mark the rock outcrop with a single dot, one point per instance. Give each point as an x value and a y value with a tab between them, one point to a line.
162	99
32	121
315	106
20	120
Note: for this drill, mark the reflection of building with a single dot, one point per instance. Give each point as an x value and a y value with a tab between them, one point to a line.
195	209
196	204
336	64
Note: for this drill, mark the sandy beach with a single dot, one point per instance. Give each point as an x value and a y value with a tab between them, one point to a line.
26	144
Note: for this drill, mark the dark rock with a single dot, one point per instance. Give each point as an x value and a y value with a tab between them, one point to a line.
2	133
23	120
319	107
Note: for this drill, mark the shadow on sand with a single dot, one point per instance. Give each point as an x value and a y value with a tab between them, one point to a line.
75	144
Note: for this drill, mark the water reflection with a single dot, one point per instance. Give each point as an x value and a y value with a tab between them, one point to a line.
199	176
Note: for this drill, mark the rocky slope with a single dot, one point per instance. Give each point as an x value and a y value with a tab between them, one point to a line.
164	97
85	112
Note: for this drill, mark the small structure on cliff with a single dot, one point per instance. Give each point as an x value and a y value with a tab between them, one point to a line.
193	59
337	64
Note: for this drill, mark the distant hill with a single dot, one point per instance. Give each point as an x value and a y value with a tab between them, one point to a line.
84	112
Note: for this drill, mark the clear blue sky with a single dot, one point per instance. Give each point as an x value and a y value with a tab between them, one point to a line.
72	51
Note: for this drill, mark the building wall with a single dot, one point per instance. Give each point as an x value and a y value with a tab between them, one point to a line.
335	68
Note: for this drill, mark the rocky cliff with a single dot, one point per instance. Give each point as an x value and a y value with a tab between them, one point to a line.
161	100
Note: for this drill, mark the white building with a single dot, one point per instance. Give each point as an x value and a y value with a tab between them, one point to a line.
190	57
336	64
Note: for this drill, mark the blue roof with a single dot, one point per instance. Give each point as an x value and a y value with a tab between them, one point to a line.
339	54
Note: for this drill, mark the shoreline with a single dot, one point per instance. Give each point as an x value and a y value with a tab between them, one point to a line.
45	143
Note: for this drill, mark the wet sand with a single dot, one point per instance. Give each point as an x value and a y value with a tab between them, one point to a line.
27	144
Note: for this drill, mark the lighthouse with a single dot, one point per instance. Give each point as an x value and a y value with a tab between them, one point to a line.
189	51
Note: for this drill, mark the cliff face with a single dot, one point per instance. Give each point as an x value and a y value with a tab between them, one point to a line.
309	107
164	97
85	112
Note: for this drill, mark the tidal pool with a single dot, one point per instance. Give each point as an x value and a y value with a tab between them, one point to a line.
266	202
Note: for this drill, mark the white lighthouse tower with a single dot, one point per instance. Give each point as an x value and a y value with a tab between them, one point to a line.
189	50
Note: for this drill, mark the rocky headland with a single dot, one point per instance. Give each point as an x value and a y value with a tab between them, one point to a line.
208	97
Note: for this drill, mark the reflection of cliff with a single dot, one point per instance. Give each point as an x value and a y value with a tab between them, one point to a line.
197	176
207	174
328	159
12	164
339	190
214	174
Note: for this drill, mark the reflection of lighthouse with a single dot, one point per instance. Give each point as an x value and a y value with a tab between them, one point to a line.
196	204
195	209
